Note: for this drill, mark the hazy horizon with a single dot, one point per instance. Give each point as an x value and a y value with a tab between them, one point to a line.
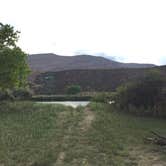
127	31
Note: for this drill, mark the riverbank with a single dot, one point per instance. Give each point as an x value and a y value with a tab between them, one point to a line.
62	98
45	135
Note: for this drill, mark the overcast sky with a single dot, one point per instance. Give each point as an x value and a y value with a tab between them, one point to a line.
128	30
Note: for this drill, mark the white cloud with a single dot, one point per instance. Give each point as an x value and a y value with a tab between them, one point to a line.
132	29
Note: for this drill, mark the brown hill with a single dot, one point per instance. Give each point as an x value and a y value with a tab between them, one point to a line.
89	80
53	62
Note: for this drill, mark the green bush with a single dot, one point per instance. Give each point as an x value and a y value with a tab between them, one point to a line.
144	96
22	94
73	89
101	98
6	95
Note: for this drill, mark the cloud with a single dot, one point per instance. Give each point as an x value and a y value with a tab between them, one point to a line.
163	60
111	57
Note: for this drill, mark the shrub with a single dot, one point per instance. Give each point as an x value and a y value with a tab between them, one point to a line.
73	89
22	94
101	97
6	95
145	95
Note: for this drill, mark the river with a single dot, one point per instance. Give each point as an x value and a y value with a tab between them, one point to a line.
67	103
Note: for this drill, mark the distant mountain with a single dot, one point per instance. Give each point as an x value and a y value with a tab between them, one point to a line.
53	62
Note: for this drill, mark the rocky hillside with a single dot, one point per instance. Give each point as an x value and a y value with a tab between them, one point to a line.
89	80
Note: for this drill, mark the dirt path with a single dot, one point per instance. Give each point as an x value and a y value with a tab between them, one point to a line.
60	159
88	119
84	125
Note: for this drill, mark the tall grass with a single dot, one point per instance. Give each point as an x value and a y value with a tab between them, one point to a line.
36	135
114	135
32	134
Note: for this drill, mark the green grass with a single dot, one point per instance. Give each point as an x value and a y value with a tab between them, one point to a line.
32	134
120	137
48	135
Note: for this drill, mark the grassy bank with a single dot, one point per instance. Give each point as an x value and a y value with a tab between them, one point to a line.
33	134
61	98
120	138
47	135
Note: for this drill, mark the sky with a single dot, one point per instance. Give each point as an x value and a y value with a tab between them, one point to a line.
127	30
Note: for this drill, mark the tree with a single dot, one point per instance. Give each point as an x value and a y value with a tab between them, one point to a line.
13	61
8	37
145	92
73	89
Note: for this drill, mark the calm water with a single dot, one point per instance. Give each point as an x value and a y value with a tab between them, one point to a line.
67	103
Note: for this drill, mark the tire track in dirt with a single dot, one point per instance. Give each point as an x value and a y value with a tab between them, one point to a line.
84	125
